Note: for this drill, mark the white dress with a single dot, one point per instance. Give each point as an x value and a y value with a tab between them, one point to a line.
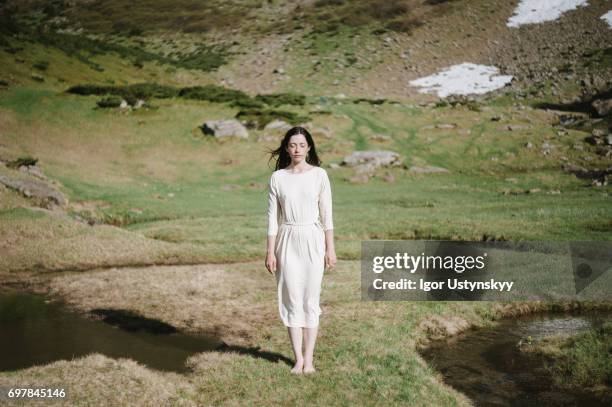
299	210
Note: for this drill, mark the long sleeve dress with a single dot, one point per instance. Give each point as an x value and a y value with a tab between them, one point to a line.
299	211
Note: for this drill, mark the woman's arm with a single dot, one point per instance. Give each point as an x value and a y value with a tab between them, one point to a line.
325	213
273	216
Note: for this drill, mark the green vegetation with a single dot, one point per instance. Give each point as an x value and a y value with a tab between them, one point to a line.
396	15
258	118
578	361
22	161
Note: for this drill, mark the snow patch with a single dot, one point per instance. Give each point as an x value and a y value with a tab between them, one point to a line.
608	18
538	11
463	79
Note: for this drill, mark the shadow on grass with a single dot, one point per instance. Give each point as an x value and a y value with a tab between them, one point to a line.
255	352
132	322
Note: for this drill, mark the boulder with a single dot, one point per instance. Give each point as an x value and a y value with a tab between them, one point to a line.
35	189
377	158
225	128
277	124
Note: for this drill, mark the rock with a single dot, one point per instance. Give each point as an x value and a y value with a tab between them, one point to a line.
33	170
36	189
139	103
569	167
225	128
388	178
602	106
608	139
528	145
516	127
380	158
593	140
546	148
496	118
334	166
277	124
278	70
446	126
428	169
599	132
124	104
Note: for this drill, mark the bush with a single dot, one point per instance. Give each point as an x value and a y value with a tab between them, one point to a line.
258	118
27	161
110	101
128	92
278	99
214	93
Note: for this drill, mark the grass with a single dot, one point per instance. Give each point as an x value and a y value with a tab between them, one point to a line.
155	173
367	352
161	194
578	361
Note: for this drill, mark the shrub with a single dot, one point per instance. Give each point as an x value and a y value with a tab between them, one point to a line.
258	118
110	101
214	93
278	99
26	160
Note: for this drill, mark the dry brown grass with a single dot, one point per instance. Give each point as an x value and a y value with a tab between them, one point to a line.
42	240
231	302
97	380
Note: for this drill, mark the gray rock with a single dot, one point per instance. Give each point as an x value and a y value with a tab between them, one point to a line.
225	128
603	106
379	158
35	189
277	124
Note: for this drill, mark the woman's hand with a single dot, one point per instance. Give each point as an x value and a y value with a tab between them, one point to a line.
271	263
330	258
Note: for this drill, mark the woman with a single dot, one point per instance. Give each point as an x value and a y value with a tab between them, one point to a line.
300	239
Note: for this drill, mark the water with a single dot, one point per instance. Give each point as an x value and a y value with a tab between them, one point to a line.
34	330
488	367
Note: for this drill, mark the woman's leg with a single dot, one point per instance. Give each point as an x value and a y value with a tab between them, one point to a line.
310	335
295	334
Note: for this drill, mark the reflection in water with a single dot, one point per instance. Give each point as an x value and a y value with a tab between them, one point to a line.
34	332
487	365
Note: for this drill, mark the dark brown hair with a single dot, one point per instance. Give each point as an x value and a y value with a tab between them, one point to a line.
283	159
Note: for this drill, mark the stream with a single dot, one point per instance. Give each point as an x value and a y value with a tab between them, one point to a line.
486	365
35	330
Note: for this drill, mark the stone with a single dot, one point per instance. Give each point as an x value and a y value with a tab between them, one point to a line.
35	189
277	124
602	106
380	158
225	128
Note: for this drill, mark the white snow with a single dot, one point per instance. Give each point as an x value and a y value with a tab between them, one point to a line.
608	18
538	11
463	79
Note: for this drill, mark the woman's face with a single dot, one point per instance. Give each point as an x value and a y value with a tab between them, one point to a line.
298	148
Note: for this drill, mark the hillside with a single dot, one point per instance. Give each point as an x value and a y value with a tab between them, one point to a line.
366	48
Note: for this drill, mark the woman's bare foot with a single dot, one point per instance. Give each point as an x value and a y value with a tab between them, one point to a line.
309	369
297	368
